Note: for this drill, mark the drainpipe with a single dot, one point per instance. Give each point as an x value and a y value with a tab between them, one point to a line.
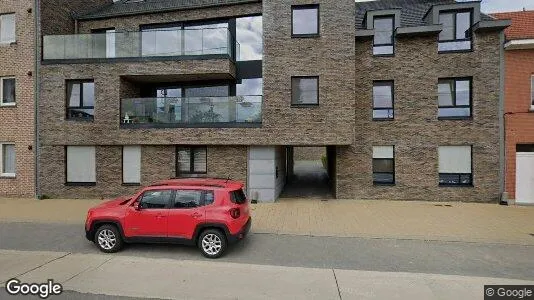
502	137
36	87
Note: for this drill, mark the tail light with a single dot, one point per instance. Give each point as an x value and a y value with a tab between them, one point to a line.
235	213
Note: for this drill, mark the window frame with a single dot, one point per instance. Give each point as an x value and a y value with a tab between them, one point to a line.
455	13
453	94
68	85
392	108
305	7
7	104
392	17
2	174
376	183
305	104
77	183
471	184
140	165
106	31
191	160
14	26
202	201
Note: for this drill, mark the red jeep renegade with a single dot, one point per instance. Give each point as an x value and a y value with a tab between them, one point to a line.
209	213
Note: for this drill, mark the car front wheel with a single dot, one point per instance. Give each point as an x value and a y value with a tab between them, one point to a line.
108	239
212	243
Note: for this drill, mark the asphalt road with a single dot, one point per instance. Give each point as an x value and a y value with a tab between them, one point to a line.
389	255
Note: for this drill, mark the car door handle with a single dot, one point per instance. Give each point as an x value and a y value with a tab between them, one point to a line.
196	215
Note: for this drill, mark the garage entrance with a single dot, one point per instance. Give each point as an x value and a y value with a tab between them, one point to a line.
524	178
309	172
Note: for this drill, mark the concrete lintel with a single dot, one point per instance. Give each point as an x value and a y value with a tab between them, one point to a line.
419	30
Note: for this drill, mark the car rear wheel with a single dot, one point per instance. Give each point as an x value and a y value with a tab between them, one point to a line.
108	239
212	243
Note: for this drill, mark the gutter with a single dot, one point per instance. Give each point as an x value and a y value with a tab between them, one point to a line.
36	93
502	136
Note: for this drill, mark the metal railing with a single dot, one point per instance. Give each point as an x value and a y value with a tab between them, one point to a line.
191	111
138	44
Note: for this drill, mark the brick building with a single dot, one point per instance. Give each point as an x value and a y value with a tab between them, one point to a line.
403	96
519	105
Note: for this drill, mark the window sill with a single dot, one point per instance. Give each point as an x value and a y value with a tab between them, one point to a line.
304	105
531	109
6	44
383	119
8	176
455	118
6	105
306	36
456	51
79	120
383	184
384	55
456	185
131	184
80	184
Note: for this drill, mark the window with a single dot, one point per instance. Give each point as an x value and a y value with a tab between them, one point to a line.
383	40
238	197
455	35
455	166
131	165
7	88
81	165
156	199
249	35
454	98
187	199
105	42
383	94
383	165
7	28
305	20
305	90
81	100
8	162
162	41
191	160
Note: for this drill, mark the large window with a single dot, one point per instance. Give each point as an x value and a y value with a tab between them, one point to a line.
383	165
383	43
454	98
383	95
455	35
131	165
81	165
191	160
305	20
185	199
8	163
455	166
7	28
81	100
304	90
249	35
105	42
7	89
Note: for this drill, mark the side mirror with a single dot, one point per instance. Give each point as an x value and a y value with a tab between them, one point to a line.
136	206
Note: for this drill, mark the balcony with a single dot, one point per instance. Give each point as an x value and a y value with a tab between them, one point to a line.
156	44
212	112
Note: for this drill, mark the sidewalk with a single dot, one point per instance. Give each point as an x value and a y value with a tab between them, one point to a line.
141	277
467	222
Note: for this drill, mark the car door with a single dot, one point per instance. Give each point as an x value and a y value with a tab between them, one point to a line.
186	212
149	217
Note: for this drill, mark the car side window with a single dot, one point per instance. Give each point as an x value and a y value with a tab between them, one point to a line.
209	197
185	199
155	199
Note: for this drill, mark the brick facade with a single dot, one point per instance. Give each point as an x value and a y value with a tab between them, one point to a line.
416	131
17	122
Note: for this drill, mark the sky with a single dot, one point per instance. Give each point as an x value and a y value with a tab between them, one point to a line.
492	6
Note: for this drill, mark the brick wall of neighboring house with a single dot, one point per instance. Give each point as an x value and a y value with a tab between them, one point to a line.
56	15
309	153
416	131
158	162
17	122
519	121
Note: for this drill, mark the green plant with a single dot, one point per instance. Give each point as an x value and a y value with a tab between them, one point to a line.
209	116
324	161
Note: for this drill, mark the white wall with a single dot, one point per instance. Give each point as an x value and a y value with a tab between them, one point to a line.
263	185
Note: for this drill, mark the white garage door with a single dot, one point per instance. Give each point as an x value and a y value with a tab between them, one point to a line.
524	178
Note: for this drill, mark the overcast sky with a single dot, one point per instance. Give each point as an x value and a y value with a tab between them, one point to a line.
491	6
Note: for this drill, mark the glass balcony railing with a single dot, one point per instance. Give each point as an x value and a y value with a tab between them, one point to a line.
233	111
147	43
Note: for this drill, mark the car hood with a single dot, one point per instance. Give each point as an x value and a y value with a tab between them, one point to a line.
115	202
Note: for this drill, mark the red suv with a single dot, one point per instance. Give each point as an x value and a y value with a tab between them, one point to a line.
209	213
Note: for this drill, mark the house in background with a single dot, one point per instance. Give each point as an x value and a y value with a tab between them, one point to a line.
519	105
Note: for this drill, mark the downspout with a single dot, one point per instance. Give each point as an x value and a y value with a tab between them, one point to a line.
36	93
502	137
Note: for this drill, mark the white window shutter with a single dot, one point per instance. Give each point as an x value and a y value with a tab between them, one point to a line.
81	164
131	164
383	152
454	159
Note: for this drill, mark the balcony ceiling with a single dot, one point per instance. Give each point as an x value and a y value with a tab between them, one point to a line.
169	78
